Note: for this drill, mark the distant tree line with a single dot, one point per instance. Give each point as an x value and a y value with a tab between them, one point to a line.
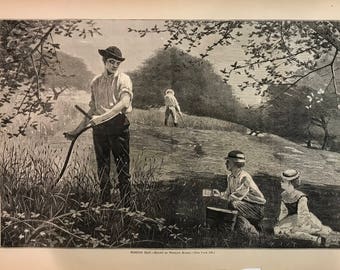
199	90
70	72
300	113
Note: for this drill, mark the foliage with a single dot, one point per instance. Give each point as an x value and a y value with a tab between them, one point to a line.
298	110
287	116
321	108
279	58
27	53
70	73
279	48
193	80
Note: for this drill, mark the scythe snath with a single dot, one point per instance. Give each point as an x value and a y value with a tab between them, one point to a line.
69	152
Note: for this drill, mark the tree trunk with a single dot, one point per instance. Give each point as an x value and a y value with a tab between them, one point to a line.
325	137
309	136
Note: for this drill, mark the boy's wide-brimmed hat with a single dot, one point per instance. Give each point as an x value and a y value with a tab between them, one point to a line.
290	175
236	156
112	52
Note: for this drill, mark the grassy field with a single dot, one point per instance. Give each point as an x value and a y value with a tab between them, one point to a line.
170	167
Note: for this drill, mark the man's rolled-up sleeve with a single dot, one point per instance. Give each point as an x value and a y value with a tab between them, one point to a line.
125	86
92	105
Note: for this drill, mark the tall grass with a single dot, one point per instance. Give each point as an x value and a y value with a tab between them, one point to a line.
37	213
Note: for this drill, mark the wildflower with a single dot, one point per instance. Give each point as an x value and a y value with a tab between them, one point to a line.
140	213
84	205
161	227
100	228
123	210
21	236
95	242
76	230
26	231
7	223
9	59
34	215
124	241
160	220
61	239
96	209
135	235
20	215
108	205
75	213
321	91
5	214
106	237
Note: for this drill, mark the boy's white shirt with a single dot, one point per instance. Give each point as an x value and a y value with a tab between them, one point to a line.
242	189
170	100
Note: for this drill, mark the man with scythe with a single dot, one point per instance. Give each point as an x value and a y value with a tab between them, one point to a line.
111	97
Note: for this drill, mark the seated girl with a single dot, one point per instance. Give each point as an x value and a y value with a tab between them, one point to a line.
295	219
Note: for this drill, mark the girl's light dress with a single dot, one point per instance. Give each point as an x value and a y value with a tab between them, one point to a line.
296	221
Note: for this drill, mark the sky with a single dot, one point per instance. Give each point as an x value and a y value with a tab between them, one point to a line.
136	50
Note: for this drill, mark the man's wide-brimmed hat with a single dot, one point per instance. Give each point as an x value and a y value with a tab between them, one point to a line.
236	156
112	52
290	175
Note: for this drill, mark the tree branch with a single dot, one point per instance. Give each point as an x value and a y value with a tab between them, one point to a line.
42	40
333	72
310	72
272	60
329	83
36	77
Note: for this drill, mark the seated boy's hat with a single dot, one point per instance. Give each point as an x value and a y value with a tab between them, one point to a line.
112	52
236	156
290	174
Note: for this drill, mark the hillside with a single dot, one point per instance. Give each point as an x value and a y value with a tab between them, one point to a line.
187	159
199	145
188	152
191	157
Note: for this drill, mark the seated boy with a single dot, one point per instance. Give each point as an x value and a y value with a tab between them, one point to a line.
242	194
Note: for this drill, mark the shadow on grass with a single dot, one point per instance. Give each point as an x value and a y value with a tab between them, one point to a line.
182	204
